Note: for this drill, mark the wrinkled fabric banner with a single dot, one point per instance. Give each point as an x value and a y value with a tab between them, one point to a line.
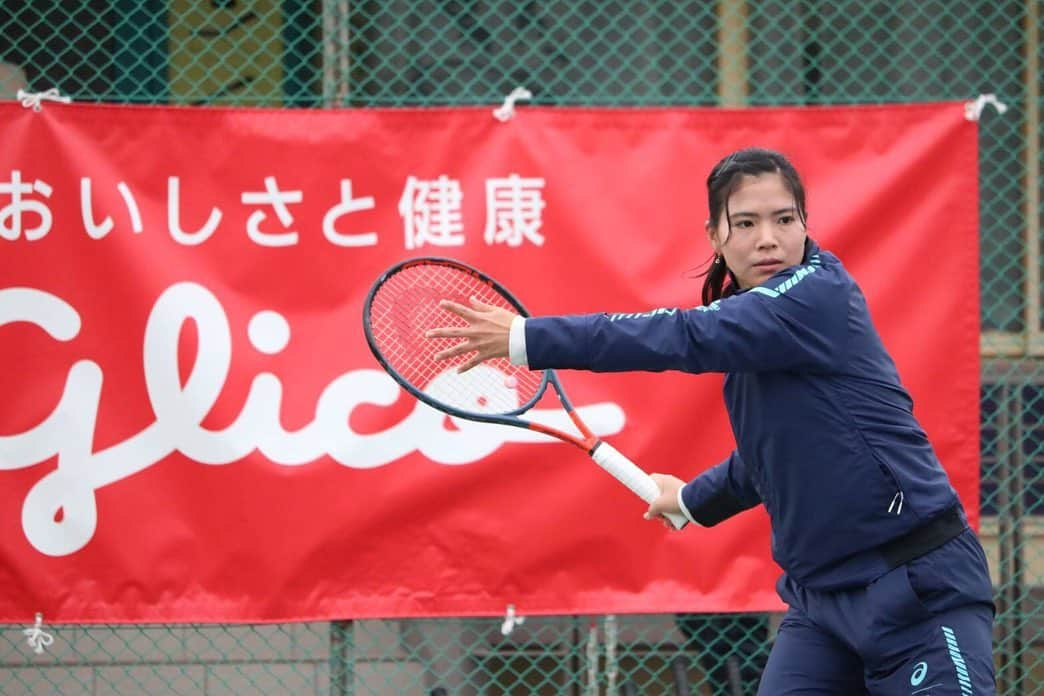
193	429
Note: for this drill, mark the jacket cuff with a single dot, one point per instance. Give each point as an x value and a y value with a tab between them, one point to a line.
517	342
684	508
707	504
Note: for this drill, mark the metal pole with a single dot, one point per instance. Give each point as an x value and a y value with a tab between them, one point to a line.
336	52
1004	545
732	52
342	658
681	675
1018	514
592	659
1034	334
574	659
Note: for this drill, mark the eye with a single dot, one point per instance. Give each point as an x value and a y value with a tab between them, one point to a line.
786	219
743	224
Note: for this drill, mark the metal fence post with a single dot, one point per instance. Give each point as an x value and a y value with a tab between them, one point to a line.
342	658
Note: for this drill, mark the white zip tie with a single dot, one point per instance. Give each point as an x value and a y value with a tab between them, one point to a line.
36	637
34	100
973	109
510	621
505	111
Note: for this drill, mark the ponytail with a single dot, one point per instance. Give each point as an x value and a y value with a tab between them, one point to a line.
714	284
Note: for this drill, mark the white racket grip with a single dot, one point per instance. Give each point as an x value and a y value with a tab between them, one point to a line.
627	472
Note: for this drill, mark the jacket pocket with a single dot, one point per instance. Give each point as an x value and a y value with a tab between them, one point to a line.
895	504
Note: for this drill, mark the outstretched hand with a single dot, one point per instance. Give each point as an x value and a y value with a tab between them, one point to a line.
486	334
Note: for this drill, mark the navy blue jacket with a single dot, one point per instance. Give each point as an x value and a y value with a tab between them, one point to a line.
825	432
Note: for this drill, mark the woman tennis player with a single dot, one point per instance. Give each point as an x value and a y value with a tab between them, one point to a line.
887	586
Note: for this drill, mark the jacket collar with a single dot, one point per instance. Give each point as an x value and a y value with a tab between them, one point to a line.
811	249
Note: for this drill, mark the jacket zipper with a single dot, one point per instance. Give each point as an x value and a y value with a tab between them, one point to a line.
896	506
898	498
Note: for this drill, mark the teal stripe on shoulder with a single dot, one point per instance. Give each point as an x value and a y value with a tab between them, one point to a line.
799	275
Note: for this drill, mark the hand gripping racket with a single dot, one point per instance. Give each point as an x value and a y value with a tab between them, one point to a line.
404	303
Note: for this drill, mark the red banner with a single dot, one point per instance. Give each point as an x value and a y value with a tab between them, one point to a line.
192	427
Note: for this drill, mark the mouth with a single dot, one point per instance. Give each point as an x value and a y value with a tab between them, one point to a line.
771	264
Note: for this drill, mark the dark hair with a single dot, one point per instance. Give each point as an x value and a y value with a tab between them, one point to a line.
721	183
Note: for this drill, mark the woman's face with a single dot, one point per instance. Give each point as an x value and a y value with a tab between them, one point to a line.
766	233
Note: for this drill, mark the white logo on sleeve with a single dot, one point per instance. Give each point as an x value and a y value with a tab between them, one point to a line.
919	673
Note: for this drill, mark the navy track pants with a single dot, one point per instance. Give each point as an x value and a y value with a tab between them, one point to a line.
922	629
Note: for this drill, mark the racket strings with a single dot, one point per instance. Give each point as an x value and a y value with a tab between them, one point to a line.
407	305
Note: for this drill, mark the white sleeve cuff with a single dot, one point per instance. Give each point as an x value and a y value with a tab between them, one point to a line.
517	342
685	510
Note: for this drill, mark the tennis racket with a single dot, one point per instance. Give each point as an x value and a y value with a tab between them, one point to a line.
404	303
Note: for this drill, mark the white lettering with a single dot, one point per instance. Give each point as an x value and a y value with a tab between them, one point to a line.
59	515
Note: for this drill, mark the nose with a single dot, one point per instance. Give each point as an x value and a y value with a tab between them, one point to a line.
766	238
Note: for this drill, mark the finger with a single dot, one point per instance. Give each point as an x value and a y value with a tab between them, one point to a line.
479	304
446	332
453	352
450	332
472	362
459	309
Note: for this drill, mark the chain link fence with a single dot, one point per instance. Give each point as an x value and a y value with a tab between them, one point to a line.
320	53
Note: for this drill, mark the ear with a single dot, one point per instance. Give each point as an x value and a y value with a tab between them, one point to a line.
712	235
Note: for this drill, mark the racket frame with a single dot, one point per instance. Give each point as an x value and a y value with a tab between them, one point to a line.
602	452
588	440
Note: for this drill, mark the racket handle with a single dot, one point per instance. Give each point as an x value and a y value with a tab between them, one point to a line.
627	472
